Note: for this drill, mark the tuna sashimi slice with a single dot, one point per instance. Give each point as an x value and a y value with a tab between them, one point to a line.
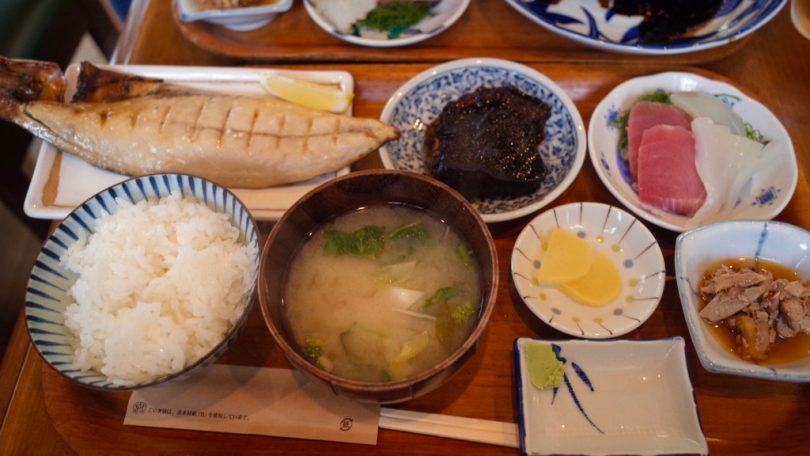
667	176
649	114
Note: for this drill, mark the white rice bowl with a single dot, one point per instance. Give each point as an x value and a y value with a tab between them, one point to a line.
160	285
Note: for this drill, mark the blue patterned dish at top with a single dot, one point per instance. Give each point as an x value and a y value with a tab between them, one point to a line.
705	247
616	397
766	192
588	22
419	101
48	295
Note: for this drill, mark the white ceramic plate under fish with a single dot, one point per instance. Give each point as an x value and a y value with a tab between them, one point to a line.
76	180
610	230
617	397
768	192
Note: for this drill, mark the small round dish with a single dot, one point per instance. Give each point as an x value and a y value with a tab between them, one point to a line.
769	190
48	292
612	231
591	24
419	101
240	19
445	14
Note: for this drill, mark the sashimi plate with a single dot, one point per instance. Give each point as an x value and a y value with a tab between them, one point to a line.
61	182
588	22
612	231
444	14
762	198
420	101
617	397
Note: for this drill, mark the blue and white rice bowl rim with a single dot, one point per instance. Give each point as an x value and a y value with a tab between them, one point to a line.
454	10
587	22
763	202
47	294
420	100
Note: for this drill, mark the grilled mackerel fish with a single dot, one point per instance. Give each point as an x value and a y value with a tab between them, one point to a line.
135	125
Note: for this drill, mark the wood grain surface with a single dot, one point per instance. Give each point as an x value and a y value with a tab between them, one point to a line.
487	28
44	414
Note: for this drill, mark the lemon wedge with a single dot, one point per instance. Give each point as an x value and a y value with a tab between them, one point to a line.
567	258
599	286
307	94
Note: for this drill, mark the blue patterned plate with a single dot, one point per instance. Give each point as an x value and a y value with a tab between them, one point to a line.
700	249
616	398
444	14
47	295
612	231
770	189
587	22
419	101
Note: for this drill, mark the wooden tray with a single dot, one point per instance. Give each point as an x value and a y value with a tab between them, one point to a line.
92	423
487	29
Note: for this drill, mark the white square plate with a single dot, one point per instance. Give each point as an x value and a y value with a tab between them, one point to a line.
79	180
617	397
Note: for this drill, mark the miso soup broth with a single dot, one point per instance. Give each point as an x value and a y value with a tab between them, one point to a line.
382	294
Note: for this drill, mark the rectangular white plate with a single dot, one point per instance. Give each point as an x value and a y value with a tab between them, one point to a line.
79	180
618	397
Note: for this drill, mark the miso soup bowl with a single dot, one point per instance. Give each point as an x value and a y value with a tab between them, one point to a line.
347	194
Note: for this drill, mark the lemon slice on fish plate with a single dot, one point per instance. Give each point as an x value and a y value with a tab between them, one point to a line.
307	94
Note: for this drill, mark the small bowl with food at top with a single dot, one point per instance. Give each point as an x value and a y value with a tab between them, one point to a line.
379	283
681	151
144	283
745	296
504	135
238	15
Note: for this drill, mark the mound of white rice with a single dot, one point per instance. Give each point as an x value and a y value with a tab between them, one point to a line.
160	284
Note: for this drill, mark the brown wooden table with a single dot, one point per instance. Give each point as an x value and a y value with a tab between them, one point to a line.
44	414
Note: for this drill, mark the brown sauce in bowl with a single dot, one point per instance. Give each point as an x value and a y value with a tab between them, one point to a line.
783	350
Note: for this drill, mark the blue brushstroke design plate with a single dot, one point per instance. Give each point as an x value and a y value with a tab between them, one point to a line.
47	294
617	397
699	249
419	101
587	22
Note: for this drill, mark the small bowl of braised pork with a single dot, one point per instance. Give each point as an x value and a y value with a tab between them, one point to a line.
746	298
502	134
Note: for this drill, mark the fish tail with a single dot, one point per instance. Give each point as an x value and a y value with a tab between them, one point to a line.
24	81
97	84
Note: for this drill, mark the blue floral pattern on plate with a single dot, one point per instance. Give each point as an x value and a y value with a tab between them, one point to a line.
413	110
589	23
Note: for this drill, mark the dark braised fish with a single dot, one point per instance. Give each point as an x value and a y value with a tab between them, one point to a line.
486	143
664	20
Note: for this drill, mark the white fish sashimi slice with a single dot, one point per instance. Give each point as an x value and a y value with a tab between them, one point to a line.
702	104
716	161
754	167
344	13
727	164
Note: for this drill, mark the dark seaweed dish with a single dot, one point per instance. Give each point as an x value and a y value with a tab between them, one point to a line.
485	144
